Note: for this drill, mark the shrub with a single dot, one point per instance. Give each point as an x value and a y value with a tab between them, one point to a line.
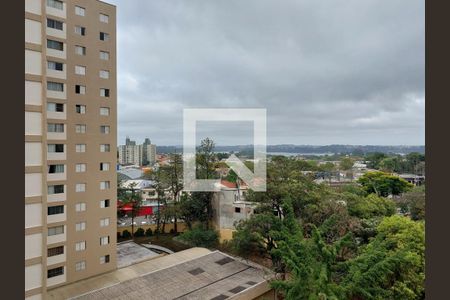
139	232
172	231
126	234
148	232
199	237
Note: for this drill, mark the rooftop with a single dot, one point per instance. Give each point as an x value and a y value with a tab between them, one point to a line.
196	273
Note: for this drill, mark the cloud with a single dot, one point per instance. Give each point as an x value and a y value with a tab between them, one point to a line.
345	72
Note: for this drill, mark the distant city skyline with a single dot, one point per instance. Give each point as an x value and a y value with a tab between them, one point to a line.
327	72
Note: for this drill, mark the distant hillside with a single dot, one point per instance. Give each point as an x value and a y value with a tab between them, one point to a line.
309	149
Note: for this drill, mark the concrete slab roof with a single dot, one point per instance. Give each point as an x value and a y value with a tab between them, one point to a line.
212	275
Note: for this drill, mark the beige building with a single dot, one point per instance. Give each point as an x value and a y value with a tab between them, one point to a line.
229	207
70	142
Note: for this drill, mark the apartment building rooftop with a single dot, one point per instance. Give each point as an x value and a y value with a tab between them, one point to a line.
196	273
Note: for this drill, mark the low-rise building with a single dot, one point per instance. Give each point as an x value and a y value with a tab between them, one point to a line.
230	206
413	179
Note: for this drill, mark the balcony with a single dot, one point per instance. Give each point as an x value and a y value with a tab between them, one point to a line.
57	259
56	32
56	218
57	197
57	238
62	13
57	94
56	176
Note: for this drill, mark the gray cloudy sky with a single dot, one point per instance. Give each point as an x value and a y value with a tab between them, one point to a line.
328	72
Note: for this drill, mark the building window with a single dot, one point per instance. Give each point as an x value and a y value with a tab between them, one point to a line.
104	148
80	89
55	86
104	222
104	111
80	187
105	185
104	18
104	240
237	210
80	168
55	107
80	30
80	128
51	44
55	189
104	203
80	11
104	36
81	265
55	230
104	166
55	210
79	207
104	92
55	4
55	251
104	259
80	226
104	74
80	70
53	65
80	50
55	148
80	109
52	169
55	127
55	272
54	24
80	148
80	246
104	129
104	55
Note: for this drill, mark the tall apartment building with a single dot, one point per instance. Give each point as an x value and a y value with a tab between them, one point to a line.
134	154
70	142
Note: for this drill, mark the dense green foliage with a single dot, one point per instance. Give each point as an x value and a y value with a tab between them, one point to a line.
328	244
200	237
413	162
384	184
139	232
392	265
413	203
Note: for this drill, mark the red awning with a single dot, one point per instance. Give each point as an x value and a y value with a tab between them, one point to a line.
143	211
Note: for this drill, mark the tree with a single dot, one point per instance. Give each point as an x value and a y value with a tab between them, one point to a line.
374	159
413	203
370	206
346	164
170	178
391	164
206	160
200	237
413	161
312	264
392	265
194	208
384	184
255	235
131	198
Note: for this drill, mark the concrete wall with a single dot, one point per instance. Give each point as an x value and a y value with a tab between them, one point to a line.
180	228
